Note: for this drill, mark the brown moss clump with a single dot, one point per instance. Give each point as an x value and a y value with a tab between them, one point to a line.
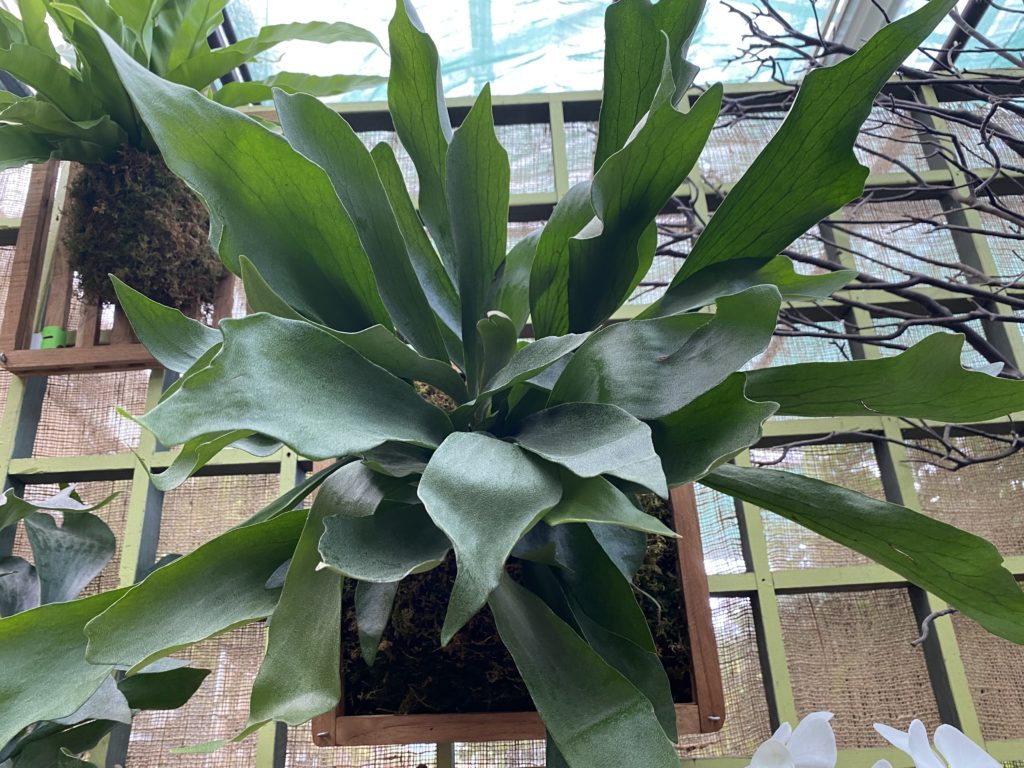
474	673
135	219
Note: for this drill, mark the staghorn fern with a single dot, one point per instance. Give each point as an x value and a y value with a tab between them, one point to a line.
359	299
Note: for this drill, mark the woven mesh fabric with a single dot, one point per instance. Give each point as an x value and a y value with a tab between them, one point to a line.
528	146
734	143
218	710
302	753
113	514
984	498
204	507
531	160
677	226
530	156
79	416
719	532
77	305
995	674
787	350
1005	239
809	244
517	230
851	465
969	139
746	708
14	190
874	227
849	653
500	754
970	357
580	147
894	135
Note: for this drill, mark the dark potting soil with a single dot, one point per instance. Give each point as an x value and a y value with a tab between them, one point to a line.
135	219
474	673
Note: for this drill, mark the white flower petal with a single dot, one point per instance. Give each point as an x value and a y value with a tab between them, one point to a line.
894	736
960	751
813	745
920	749
772	754
882	764
782	733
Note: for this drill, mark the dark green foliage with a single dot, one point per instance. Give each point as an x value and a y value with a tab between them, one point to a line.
134	219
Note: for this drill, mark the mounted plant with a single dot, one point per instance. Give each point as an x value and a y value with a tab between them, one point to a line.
67	557
126	213
530	482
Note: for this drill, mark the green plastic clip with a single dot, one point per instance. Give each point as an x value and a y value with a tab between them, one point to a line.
53	336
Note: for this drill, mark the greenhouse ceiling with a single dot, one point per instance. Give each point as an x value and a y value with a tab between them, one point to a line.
545	46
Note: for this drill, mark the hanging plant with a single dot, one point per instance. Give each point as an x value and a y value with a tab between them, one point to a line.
134	219
126	214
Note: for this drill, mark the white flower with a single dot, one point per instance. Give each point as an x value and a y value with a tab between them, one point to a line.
811	745
956	749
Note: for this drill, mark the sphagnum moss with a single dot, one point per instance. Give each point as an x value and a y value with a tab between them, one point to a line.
135	219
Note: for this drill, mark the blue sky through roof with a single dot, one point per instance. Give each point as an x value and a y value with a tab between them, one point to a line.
1003	27
551	46
521	46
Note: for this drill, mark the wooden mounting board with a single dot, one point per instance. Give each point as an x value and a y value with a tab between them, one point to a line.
705	715
365	730
105	357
